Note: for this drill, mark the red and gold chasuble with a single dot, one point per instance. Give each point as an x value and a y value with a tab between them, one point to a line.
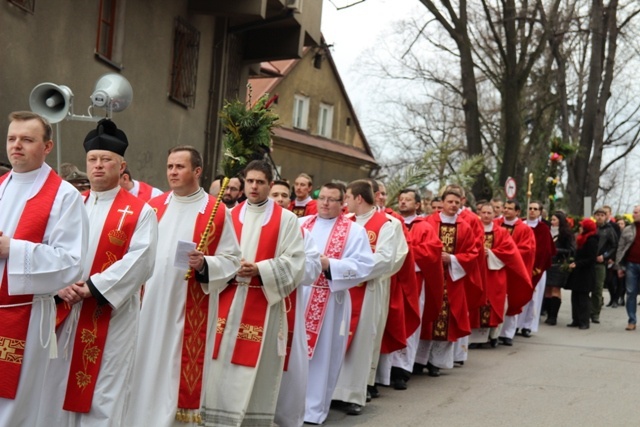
250	334
373	226
320	292
93	322
144	191
15	318
448	234
196	307
485	309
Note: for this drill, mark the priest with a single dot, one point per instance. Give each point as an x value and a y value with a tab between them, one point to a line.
370	299
303	204
347	260
43	241
84	390
179	313
525	241
506	275
243	377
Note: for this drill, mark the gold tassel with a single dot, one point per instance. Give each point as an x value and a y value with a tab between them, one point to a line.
189	416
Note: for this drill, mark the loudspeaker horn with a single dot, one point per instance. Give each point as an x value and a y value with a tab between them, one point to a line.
51	101
112	92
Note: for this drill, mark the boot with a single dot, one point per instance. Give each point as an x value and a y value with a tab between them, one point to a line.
554	308
544	310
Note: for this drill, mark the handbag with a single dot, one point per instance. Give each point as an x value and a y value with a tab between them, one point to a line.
557	276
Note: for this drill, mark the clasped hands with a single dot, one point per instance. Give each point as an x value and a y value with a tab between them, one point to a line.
248	269
74	293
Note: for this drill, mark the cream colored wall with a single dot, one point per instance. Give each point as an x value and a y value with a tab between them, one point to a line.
56	44
319	85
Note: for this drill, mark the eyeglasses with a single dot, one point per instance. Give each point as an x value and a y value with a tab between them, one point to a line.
233	189
328	199
534	209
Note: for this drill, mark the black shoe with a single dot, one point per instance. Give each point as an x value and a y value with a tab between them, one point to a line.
493	342
525	332
506	341
368	398
353	409
400	384
584	326
474	345
373	391
614	305
611	303
551	321
621	302
458	363
573	325
418	369
434	371
593	320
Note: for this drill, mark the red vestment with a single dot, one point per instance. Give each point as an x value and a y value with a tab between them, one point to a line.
524	239
453	319
545	250
311	208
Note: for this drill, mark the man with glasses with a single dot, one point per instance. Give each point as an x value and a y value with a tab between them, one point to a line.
529	320
346	261
233	192
525	241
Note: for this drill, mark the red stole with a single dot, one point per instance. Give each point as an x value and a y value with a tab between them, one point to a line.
310	208
93	323
250	335
373	226
144	191
320	292
196	307
15	320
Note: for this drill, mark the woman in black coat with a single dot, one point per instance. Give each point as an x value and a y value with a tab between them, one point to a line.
583	275
565	243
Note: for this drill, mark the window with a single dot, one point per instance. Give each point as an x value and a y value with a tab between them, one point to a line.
184	70
26	5
300	111
110	32
325	120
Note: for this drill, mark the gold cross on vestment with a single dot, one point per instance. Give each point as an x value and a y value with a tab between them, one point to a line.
5	348
124	213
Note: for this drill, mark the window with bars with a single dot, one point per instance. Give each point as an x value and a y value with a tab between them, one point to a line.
26	5
184	70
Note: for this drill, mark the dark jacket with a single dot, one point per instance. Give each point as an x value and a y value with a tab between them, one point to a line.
583	277
608	242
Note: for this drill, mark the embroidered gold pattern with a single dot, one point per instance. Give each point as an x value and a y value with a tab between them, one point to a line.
441	325
117	237
488	240
11	350
250	332
299	211
90	352
485	315
509	228
448	237
196	318
222	322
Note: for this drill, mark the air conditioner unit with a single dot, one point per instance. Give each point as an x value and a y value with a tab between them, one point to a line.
296	5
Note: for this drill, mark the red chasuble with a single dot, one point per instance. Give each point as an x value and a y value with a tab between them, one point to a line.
249	337
424	251
144	191
320	292
93	323
15	320
525	241
453	319
310	208
373	226
196	307
476	296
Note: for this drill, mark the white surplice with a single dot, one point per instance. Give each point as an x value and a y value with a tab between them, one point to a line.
243	395
120	285
358	366
42	270
153	399
354	267
293	387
